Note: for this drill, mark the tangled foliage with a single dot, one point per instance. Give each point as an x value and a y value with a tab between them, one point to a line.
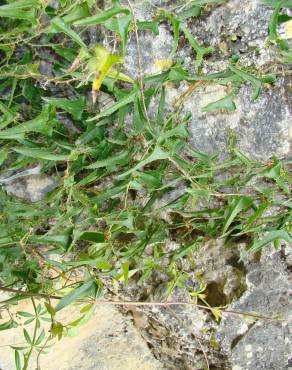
126	181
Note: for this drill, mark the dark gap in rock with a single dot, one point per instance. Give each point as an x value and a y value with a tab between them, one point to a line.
235	261
216	296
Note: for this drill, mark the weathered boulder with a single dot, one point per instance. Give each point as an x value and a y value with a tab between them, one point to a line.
258	344
238	28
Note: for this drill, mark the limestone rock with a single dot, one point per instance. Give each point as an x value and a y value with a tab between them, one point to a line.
32	188
108	341
261	344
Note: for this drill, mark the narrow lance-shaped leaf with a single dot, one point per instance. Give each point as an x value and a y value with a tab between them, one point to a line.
8	325
200	50
41	154
27	337
256	83
77	293
127	99
125	268
193	11
28	15
157	154
149	25
17	360
58	25
3	156
20	4
269	238
22	9
74	107
79	12
102	16
121	158
274	22
225	104
120	25
42	123
237	205
99	66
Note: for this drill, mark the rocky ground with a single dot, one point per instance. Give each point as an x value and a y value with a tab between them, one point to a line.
124	340
109	341
175	338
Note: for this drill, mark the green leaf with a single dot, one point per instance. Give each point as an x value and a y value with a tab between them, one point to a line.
193	11
20	4
273	24
50	310
108	194
58	25
103	265
184	251
3	155
157	154
61	240
30	92
179	131
176	25
27	337
273	172
200	50
127	99
120	25
57	329
74	107
237	205
256	83
43	124
275	3
92	236
80	12
151	179
41	154
40	338
22	9
225	104
29	321
125	268
149	25
17	360
100	65
269	238
257	214
8	325
102	16
75	294
25	314
121	158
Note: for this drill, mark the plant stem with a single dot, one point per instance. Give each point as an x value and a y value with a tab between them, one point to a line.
28	355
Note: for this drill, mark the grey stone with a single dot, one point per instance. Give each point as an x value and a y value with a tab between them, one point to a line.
31	188
108	341
153	49
238	27
262	127
254	344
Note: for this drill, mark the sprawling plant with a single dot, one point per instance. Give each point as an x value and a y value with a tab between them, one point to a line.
126	181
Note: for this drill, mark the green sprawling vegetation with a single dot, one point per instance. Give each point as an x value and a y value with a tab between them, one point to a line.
117	168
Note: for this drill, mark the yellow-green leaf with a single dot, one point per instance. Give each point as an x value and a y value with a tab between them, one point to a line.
100	65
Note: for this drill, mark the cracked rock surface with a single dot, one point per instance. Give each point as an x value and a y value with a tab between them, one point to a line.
263	128
262	344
